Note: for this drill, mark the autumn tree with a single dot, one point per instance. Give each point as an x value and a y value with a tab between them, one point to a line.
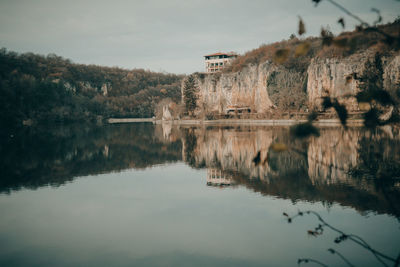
189	94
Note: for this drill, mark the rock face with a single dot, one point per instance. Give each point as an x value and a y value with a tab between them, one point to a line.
391	74
255	87
335	77
268	86
86	86
245	89
327	77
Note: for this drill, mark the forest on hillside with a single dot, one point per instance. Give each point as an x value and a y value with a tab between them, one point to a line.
36	88
296	53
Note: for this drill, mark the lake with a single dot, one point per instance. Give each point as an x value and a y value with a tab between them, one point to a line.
165	195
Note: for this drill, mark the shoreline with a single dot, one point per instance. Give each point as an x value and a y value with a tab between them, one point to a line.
227	122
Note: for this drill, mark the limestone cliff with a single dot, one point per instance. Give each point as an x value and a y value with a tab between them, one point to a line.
335	77
267	86
258	87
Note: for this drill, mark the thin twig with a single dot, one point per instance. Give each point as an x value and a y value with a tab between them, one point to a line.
363	23
341	256
310	260
345	10
356	239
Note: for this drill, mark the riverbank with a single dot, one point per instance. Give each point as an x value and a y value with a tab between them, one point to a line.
277	122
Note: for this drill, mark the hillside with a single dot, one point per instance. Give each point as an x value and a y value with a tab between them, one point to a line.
53	89
291	77
301	51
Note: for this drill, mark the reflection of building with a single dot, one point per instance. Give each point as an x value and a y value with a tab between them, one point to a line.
216	62
217	177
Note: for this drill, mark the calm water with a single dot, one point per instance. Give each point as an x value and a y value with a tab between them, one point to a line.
145	195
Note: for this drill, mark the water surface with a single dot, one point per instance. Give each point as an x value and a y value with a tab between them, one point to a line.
161	195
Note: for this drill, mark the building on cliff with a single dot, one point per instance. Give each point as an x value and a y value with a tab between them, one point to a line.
217	61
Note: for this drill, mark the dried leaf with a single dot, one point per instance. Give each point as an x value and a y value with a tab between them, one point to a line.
302	49
303	130
257	158
341	112
302	27
326	102
279	147
316	2
340	238
310	232
341	22
281	55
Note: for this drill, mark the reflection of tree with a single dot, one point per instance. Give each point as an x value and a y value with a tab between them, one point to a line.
190	142
37	157
382	169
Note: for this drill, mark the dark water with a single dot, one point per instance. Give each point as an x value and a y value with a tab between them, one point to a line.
145	195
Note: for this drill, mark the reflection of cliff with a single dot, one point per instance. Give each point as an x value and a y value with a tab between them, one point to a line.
41	157
233	149
332	155
320	169
354	167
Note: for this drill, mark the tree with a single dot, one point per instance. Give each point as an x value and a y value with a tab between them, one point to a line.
190	94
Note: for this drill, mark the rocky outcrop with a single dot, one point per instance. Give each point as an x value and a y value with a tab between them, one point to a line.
269	86
85	86
245	89
258	87
391	76
335	77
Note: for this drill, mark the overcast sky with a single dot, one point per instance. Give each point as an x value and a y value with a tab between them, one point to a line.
165	35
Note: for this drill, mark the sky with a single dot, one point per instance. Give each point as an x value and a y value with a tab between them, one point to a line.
166	35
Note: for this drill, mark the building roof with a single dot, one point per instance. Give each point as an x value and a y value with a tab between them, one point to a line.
221	54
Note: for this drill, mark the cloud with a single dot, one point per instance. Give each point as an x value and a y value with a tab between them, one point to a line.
156	34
